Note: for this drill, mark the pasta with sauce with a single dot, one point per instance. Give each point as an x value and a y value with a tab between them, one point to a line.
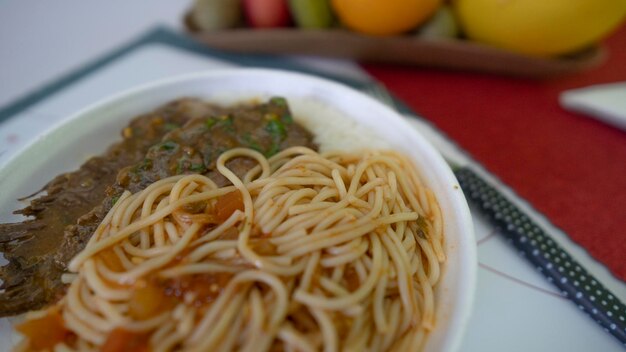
306	252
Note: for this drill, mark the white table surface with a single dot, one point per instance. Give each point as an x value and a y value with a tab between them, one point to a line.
515	308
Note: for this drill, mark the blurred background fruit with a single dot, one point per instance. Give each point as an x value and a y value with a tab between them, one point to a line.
216	14
530	38
384	17
442	24
539	27
266	13
311	13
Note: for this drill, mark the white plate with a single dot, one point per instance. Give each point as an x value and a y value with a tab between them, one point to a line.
91	130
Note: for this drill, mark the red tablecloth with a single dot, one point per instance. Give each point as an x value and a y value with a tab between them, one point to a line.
569	167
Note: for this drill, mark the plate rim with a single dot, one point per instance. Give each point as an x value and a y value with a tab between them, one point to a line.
467	283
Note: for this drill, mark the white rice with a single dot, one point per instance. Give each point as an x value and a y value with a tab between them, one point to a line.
333	130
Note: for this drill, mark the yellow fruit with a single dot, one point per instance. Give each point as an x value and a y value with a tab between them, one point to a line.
539	27
384	17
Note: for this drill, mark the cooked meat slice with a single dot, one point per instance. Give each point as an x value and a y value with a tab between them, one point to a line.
194	148
31	279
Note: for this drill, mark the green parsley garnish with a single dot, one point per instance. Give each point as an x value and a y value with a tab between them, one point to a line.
147	164
227	122
276	129
251	143
280	101
168	145
199	168
287	118
224	121
170	126
274	148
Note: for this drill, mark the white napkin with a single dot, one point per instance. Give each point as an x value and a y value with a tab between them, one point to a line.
605	102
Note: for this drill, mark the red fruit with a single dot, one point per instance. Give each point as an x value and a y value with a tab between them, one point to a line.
266	13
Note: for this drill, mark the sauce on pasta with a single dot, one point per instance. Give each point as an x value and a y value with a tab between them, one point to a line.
306	252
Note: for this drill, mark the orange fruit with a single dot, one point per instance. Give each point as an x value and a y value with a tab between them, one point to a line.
539	27
384	17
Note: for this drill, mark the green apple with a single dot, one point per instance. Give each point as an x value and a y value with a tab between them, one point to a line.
216	14
311	13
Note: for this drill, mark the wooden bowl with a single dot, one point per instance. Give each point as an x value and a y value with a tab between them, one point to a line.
456	54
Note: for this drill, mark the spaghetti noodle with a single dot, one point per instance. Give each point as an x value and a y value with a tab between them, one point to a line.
305	252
